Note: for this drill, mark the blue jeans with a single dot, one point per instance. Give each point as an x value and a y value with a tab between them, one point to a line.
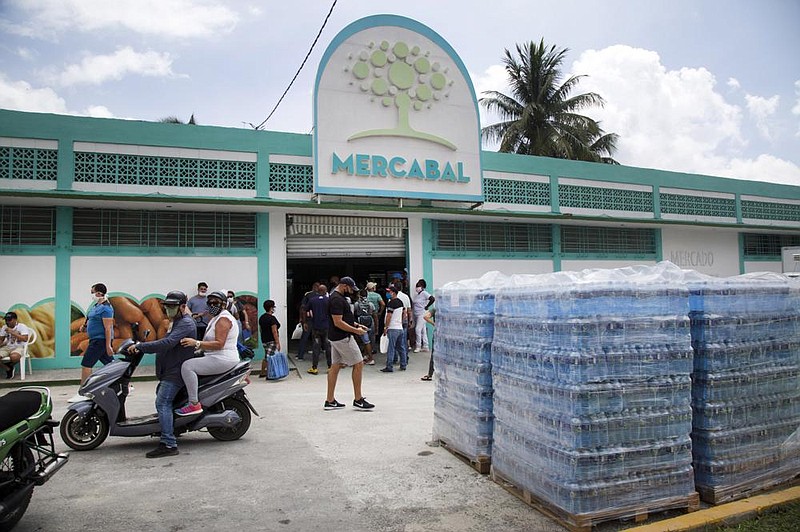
396	338
165	395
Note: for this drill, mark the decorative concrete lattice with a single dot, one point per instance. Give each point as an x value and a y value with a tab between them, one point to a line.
291	178
516	192
608	240
492	237
698	205
604	198
145	170
28	163
767	210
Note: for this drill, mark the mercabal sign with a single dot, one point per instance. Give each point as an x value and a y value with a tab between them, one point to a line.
395	115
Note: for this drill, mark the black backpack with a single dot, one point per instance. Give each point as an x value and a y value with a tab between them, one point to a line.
363	313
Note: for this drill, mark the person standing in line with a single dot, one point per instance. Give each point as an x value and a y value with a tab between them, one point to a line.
306	336
376	300
430	317
197	305
407	318
422	302
394	331
13	337
236	308
320	321
364	311
344	350
220	355
270	338
170	356
99	325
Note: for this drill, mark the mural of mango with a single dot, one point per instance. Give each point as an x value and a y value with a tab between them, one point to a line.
149	314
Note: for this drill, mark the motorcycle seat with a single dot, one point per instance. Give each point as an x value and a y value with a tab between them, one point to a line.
17	406
202	380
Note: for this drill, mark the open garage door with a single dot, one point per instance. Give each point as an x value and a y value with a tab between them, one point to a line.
312	236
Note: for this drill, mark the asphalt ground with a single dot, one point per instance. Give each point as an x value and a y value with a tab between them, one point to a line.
298	468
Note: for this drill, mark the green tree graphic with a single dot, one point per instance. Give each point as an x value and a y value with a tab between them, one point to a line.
402	76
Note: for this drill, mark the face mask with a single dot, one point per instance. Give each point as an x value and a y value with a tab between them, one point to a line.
214	310
171	311
202	291
230	300
419	289
97	297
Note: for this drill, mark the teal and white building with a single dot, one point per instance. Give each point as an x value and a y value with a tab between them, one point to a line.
393	177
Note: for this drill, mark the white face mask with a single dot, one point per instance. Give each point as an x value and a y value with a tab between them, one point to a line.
202	291
419	289
230	300
97	297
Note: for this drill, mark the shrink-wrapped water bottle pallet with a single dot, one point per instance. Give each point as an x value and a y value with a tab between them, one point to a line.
481	463
639	512
723	494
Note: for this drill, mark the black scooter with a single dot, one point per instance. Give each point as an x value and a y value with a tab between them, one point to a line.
89	421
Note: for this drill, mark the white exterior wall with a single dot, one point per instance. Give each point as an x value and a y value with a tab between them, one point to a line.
31	279
762	266
707	250
578	265
277	274
415	253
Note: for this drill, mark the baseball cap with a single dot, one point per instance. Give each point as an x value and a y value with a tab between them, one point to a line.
349	282
10	316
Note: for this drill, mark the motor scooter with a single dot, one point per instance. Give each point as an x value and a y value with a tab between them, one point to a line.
27	453
101	410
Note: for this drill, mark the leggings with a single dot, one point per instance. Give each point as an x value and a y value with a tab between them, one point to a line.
202	366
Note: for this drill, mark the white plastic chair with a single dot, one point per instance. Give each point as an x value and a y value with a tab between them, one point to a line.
26	356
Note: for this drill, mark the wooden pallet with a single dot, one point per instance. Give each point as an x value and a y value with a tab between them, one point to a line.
481	463
720	495
584	522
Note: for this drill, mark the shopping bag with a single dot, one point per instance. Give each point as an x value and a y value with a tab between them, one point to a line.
298	332
384	344
277	366
245	353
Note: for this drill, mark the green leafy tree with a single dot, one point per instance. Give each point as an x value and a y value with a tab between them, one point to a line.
176	120
540	117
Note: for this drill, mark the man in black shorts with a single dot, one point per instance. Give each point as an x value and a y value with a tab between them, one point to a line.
344	349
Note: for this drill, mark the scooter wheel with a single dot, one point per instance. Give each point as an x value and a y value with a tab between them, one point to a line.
84	433
12	471
234	433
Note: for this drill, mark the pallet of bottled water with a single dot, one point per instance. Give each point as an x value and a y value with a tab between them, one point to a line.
592	392
746	383
463	418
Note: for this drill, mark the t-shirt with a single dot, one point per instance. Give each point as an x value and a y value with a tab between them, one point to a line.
339	306
403	297
265	323
420	302
199	305
375	299
394	308
94	323
318	305
20	329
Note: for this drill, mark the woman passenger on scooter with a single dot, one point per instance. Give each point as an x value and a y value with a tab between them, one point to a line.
219	344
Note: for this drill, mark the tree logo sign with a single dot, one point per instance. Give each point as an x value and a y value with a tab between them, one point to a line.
400	77
395	115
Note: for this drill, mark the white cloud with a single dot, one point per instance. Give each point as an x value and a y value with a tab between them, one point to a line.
169	18
97	69
733	83
796	108
493	78
760	110
98	111
21	96
25	53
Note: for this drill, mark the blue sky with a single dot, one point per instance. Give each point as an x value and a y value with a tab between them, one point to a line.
710	87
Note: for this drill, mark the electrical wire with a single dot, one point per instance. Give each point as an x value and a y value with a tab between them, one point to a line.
261	125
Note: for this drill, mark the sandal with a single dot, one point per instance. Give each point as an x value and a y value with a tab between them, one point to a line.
426	378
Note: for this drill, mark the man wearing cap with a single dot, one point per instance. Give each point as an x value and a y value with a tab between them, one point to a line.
344	349
13	337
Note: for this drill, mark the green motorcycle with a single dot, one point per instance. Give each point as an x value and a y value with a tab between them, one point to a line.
27	453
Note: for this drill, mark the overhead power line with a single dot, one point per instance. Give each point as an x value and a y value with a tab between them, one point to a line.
261	125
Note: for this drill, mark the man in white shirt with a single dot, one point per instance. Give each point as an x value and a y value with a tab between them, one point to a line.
13	337
407	323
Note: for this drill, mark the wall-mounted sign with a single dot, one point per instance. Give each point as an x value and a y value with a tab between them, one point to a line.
395	115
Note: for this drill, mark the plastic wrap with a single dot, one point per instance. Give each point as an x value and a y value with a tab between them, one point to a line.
746	382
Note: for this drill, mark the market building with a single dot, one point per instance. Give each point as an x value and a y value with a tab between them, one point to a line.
393	180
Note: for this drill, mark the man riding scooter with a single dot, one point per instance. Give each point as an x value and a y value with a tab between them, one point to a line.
170	355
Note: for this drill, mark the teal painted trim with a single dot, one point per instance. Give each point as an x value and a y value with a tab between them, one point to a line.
262	174
63	273
262	267
531	165
739	209
66	162
656	202
741	236
427	251
490	255
124	251
659	245
555	202
556	238
417	27
113	131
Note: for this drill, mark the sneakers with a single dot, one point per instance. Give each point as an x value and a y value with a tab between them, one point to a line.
416	349
333	405
387	370
313	371
362	404
424	349
11	372
162	450
190	409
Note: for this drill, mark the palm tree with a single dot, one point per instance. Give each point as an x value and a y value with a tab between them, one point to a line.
540	117
175	120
